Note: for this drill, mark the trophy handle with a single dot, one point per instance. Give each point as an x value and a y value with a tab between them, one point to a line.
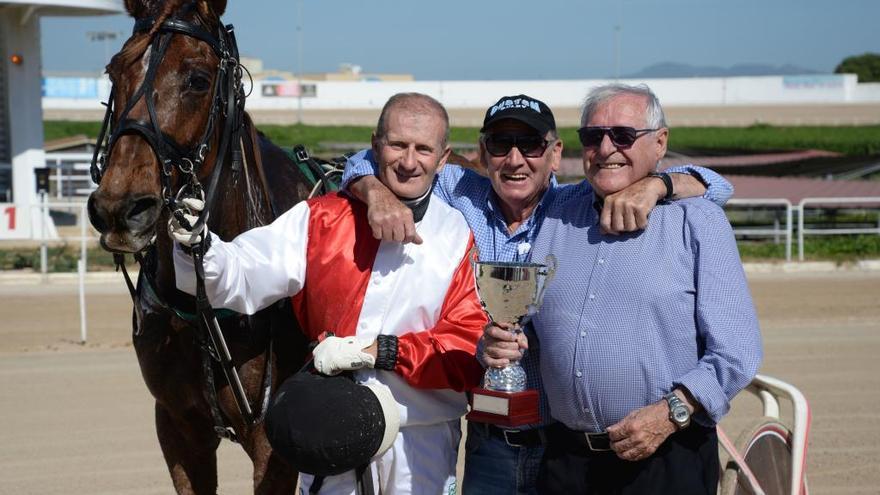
474	255
551	263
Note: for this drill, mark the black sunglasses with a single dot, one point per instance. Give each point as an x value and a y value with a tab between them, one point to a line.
531	146
621	136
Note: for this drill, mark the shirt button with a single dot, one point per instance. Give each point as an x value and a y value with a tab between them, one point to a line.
592	296
577	374
601	261
583	334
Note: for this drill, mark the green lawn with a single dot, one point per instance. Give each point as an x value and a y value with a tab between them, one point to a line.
856	141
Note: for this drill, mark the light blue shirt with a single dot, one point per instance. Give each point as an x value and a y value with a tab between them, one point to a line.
628	318
473	196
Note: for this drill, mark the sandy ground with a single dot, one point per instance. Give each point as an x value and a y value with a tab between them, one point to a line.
78	419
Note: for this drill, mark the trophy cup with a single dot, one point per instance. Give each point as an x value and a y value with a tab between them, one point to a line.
511	293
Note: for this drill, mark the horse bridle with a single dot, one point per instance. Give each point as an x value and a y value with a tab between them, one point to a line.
227	101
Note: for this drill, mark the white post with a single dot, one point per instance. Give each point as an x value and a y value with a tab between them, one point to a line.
788	213
81	268
81	265
801	231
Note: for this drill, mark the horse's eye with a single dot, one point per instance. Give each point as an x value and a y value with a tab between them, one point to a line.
198	83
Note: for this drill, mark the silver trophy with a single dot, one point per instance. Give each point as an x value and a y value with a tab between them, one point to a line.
511	292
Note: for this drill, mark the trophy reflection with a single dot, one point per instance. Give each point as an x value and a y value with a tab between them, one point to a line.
510	292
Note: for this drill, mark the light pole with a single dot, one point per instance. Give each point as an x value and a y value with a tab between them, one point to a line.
299	63
617	52
104	36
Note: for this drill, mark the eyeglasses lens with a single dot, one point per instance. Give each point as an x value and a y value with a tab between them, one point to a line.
621	136
531	146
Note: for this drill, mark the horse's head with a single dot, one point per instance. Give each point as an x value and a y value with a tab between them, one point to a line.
176	83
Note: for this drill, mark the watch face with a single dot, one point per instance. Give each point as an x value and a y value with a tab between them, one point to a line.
680	414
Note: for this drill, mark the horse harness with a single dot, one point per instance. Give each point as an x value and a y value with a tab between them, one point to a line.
227	103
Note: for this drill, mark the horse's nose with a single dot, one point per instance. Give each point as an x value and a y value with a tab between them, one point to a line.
133	215
142	213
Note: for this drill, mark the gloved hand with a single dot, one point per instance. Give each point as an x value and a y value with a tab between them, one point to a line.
337	354
181	229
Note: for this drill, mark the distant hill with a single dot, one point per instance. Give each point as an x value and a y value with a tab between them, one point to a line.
674	69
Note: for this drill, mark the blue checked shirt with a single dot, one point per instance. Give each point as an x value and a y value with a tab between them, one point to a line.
628	318
472	195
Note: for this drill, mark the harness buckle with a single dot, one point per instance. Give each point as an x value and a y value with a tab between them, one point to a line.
167	168
301	153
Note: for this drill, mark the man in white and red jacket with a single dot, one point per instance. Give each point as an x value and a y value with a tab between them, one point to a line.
405	315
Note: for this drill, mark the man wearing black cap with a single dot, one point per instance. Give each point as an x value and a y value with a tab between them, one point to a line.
406	318
520	148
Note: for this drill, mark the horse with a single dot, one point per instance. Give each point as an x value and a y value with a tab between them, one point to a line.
175	126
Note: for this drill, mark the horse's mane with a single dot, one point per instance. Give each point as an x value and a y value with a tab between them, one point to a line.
160	10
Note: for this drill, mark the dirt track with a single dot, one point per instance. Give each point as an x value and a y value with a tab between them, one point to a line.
78	419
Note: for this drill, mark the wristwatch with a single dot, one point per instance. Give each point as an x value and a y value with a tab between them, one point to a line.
667	181
678	411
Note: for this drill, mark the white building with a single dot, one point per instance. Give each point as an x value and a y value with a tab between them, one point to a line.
21	115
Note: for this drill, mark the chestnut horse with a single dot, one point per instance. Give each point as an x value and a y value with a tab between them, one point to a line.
176	123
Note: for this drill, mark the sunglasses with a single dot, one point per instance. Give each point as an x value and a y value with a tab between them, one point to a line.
621	136
530	146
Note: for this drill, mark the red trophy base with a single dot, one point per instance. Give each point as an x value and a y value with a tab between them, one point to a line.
504	408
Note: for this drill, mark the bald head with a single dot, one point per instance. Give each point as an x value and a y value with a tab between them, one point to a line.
416	104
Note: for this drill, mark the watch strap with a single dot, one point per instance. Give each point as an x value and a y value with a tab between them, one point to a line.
667	181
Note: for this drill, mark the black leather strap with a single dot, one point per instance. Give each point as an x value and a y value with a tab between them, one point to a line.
667	181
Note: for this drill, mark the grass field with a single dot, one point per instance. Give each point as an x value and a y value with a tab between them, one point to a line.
854	141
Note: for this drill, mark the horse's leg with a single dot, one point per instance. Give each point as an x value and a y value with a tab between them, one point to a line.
271	474
190	449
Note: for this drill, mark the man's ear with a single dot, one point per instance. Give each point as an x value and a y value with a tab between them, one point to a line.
661	138
556	157
374	144
443	158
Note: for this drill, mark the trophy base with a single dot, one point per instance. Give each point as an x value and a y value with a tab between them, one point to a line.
504	408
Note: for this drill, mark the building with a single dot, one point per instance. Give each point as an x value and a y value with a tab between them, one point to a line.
21	138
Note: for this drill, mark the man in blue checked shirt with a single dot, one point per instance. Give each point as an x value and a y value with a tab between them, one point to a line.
646	336
520	148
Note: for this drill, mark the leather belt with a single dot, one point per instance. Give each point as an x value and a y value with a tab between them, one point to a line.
533	437
592	442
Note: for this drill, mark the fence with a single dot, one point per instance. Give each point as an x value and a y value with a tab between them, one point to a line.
775	231
858	202
71	177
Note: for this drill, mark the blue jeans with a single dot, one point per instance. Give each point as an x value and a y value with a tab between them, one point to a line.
491	466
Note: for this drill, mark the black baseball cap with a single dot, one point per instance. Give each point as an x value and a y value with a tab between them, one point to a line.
530	111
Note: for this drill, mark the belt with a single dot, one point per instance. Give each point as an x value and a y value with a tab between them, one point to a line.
533	437
592	442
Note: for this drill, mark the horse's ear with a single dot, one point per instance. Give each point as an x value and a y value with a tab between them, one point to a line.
137	8
218	7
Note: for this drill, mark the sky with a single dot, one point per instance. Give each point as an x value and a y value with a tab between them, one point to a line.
513	39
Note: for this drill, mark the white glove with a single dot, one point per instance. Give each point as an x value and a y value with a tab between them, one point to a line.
183	232
337	354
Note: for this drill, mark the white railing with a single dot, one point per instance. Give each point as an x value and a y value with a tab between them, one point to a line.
83	238
774	232
72	177
802	230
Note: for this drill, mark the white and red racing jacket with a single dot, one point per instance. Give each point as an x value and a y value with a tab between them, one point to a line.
322	254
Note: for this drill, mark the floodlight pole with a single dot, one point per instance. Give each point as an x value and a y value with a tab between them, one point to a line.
617	52
299	61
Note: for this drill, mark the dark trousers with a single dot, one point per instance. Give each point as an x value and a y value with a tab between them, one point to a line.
686	463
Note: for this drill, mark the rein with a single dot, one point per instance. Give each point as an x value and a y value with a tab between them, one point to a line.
227	103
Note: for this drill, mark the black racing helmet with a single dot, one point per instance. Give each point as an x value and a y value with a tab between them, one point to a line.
327	425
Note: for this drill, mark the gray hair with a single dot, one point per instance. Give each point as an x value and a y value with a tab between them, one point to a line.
416	102
654	116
